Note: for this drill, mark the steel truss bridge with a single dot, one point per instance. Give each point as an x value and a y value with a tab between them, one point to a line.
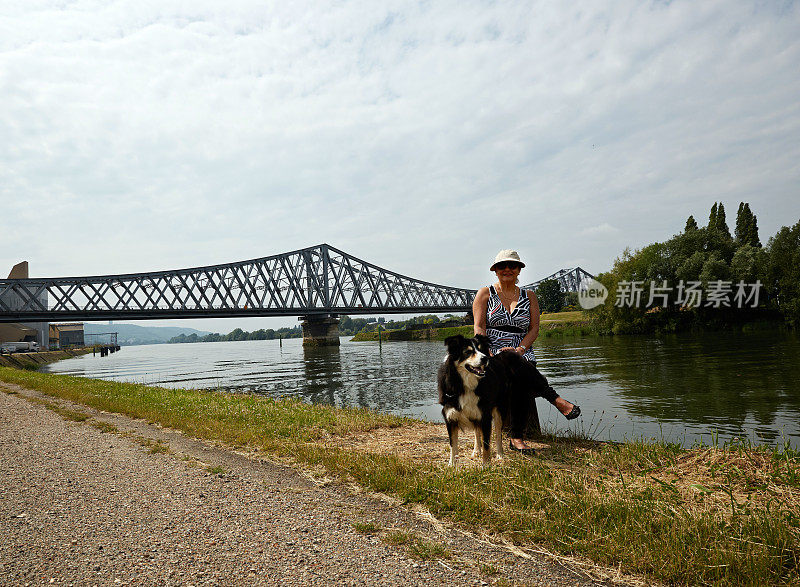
568	279
315	281
320	280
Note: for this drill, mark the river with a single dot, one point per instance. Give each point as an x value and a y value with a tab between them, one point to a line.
679	388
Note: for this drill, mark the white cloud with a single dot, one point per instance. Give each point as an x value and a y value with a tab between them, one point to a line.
165	136
603	230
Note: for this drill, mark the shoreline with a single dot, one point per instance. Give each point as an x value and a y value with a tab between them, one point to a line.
710	512
33	361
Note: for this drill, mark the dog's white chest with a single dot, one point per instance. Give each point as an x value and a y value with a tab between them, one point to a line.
468	404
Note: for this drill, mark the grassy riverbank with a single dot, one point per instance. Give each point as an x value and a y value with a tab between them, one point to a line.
709	515
556	324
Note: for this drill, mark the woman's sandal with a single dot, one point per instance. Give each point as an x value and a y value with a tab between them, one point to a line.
527	451
573	413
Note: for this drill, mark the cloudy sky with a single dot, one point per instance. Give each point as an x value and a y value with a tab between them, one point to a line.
423	137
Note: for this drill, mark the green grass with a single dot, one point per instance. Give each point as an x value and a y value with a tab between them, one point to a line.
418	547
717	515
573	316
424	334
366	527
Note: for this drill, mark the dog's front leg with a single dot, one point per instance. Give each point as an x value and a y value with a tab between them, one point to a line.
452	432
486	433
478	441
497	424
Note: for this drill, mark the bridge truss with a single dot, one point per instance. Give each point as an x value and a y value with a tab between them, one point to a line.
568	279
307	282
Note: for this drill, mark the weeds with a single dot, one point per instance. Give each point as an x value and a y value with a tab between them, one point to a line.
103	426
366	527
420	548
65	413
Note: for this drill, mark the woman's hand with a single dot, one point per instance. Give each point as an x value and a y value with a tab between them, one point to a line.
520	350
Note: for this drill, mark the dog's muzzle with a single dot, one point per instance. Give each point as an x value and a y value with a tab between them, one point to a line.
480	370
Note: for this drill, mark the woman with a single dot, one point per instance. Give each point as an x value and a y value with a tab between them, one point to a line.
509	316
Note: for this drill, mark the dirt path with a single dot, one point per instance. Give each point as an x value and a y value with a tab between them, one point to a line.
115	501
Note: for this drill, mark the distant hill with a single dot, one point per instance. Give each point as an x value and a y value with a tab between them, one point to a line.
132	334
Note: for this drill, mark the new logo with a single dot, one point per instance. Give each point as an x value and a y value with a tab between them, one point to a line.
591	294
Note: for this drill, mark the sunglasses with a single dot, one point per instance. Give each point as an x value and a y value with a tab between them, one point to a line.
507	265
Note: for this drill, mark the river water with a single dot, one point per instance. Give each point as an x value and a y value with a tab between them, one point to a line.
679	388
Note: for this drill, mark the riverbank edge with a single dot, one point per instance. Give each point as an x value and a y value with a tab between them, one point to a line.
35	360
546	330
566	328
548	500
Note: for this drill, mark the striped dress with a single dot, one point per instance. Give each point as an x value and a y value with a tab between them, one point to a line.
508	329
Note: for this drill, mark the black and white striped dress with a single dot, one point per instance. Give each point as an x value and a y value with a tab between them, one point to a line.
508	329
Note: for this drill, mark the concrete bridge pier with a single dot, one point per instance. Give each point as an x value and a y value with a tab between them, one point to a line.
320	330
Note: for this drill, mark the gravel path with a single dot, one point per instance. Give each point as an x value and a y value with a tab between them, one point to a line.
116	501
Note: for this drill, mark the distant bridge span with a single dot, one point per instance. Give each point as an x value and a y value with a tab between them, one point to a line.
315	281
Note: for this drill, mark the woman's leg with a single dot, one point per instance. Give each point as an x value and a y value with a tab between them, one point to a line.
535	385
520	399
541	388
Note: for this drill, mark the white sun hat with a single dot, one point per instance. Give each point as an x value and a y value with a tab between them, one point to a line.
506	255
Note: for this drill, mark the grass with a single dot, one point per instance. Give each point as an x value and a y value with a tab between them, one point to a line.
573	316
721	514
366	527
572	323
418	547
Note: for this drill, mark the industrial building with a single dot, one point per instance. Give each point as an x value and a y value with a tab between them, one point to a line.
63	336
28	331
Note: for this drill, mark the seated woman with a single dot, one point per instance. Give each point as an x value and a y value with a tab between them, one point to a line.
509	316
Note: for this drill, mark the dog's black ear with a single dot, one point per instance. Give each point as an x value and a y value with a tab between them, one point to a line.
454	344
483	343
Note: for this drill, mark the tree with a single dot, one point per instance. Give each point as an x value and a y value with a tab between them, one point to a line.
741	224
783	272
748	264
751	229
691	224
551	298
712	218
721	224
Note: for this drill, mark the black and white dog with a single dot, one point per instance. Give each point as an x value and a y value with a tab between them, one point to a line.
477	391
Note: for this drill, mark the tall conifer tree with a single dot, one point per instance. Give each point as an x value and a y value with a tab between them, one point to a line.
752	228
721	224
740	232
691	224
712	218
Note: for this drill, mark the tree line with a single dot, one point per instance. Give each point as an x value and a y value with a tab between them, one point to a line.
347	327
239	334
711	258
352	326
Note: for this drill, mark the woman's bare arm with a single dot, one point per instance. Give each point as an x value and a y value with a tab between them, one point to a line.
479	307
533	329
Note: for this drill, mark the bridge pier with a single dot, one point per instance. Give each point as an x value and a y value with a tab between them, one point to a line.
320	330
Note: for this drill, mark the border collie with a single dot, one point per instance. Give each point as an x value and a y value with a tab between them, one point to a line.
475	393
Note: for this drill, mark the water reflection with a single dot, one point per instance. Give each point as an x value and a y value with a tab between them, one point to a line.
322	369
734	384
